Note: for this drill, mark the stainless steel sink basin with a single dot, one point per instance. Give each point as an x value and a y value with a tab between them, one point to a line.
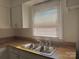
40	48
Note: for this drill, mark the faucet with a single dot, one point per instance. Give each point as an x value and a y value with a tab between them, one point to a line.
45	44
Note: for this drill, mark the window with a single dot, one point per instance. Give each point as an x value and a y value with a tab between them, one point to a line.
46	19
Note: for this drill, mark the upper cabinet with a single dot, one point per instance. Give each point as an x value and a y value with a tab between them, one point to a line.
5	14
20	14
16	17
4	17
5	3
72	4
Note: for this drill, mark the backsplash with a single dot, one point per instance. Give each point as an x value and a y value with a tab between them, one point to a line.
6	32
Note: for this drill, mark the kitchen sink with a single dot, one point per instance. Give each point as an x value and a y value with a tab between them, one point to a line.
43	49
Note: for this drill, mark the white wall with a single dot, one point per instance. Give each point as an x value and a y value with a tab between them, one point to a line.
26	16
71	26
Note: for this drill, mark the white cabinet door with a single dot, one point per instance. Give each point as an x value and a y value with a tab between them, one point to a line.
71	3
17	17
5	17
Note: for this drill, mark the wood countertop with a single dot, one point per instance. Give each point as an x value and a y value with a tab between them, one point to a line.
63	52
